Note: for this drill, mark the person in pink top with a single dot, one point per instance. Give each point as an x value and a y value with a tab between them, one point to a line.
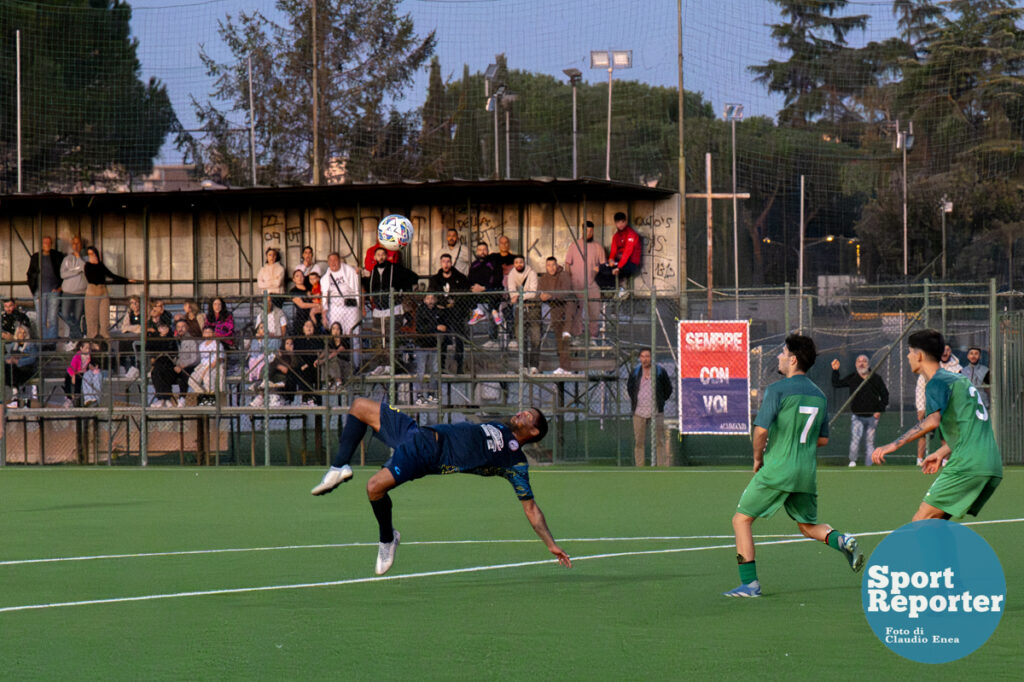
73	377
582	259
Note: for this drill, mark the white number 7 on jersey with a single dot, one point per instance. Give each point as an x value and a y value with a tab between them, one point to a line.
811	413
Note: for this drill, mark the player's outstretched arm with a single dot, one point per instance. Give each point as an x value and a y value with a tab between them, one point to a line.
540	527
933	462
922	428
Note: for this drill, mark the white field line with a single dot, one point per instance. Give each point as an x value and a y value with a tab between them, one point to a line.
426	574
237	550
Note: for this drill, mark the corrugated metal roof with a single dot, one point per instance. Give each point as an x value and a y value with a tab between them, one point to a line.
392	194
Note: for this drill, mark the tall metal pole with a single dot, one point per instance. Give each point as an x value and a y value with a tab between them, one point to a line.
800	265
735	227
574	130
942	210
508	156
904	145
252	125
711	241
681	237
497	152
316	101
608	140
17	58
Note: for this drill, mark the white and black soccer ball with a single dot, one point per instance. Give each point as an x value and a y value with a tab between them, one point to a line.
394	232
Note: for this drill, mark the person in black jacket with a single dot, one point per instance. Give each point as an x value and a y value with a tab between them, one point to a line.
455	309
385	278
486	274
44	282
649	386
867	407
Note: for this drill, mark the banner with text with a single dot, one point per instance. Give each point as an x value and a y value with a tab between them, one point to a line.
714	377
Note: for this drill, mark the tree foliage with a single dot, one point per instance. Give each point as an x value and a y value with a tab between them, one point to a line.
362	58
93	121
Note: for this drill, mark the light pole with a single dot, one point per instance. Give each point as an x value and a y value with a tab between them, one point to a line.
734	112
611	60
492	105
904	142
945	206
507	99
575	75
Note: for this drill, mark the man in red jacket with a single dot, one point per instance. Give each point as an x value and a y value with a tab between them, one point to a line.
624	257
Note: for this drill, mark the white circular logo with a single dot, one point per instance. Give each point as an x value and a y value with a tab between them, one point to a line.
513	445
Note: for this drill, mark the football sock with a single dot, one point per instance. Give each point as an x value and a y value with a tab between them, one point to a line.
833	538
351	436
748	572
382	510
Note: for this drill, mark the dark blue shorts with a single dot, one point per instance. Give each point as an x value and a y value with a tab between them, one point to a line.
417	452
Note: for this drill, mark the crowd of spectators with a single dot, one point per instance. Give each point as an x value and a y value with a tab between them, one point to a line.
311	327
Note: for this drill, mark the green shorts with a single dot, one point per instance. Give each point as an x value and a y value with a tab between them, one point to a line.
759	500
959	494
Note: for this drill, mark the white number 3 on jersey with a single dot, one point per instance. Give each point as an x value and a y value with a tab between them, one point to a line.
981	413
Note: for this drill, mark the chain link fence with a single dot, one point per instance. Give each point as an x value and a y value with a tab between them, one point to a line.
263	392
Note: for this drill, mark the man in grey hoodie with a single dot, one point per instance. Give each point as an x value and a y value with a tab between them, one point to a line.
73	285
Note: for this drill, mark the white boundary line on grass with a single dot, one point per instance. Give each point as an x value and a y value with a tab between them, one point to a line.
425	574
238	550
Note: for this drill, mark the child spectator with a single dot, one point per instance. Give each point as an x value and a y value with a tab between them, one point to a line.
131	328
305	377
208	376
336	356
20	364
92	382
161	348
73	376
315	295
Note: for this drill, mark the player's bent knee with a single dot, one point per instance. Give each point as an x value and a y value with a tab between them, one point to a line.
379	484
740	519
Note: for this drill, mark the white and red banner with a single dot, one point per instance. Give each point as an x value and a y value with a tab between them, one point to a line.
714	377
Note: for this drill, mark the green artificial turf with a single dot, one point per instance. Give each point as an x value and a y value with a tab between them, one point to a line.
634	616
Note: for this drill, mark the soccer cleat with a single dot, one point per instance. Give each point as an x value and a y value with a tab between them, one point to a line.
752	589
477	318
848	543
852	464
386	554
334	477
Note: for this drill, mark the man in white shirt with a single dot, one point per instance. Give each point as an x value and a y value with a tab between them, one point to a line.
523	277
342	299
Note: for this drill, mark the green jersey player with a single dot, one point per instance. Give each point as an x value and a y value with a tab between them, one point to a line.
954	406
790	426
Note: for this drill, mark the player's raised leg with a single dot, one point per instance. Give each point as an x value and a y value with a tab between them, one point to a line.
377	491
742	525
841	542
362	413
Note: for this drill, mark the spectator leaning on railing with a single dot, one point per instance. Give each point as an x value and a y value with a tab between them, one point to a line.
97	300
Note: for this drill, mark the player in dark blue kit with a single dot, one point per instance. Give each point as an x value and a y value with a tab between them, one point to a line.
490	449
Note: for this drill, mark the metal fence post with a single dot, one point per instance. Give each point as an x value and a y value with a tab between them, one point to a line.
654	378
995	382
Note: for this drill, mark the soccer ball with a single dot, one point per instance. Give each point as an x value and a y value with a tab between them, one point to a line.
394	232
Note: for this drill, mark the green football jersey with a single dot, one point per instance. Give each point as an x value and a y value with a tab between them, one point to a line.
795	412
965	424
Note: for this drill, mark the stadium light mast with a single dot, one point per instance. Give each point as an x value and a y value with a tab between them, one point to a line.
904	142
734	112
492	105
945	206
611	60
575	75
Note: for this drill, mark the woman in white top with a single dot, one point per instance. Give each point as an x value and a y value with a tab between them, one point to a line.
208	376
270	278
